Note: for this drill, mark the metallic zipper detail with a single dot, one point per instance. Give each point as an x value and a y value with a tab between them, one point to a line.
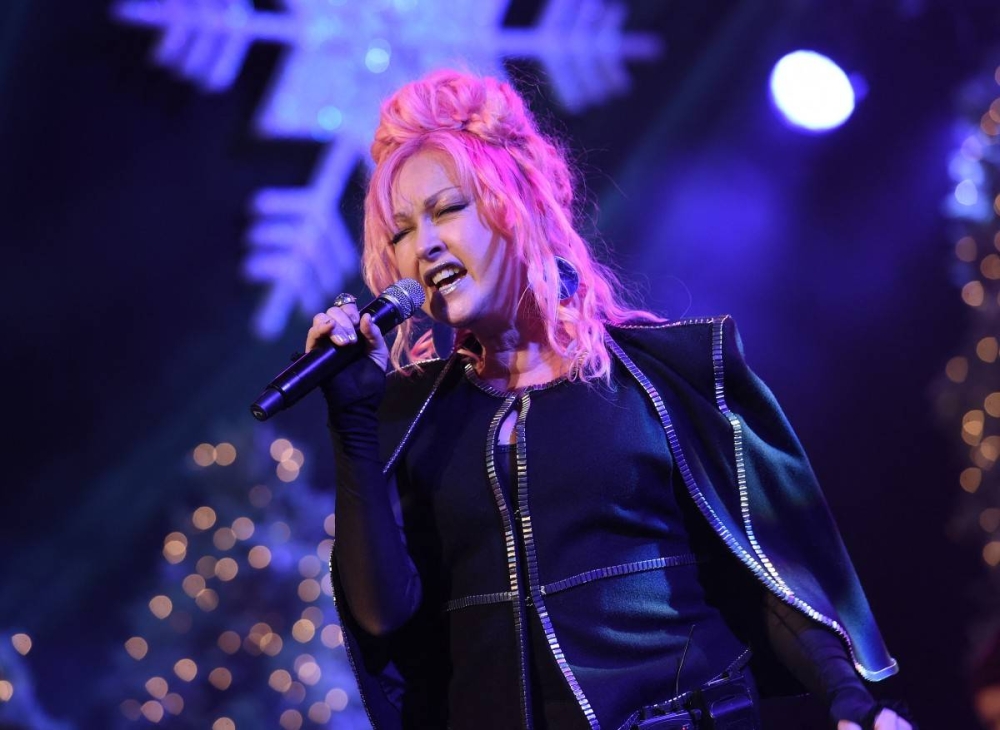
413	424
709	513
527	535
480	599
737	425
616	571
663	325
473	377
510	545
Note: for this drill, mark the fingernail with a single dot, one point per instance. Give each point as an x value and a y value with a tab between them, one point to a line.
339	339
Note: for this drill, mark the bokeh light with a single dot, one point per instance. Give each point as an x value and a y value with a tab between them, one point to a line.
991	553
966	249
226	569
319	712
21	643
193	584
224	538
259	557
225	454
206	567
243	528
337	699
220	678
260	496
973	294
207	600
204	454
173	703
203	518
314	615
136	647
332	636
131	709
175	547
309	590
309	566
186	669
291	720
303	631
280	680
229	642
811	91
161	606
157	687
280	448
957	369
971	478
152	711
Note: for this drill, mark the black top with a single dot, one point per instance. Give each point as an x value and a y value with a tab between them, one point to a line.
591	544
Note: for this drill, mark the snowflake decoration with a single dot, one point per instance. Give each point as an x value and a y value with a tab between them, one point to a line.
342	59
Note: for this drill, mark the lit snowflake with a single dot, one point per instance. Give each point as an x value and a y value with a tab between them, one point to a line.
342	59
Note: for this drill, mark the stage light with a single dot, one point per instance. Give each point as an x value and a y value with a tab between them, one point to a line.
811	91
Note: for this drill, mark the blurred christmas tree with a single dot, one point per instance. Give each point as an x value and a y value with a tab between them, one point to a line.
240	631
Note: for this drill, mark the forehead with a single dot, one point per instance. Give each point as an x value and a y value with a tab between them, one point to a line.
422	176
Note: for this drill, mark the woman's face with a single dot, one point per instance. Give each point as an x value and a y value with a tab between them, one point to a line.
441	240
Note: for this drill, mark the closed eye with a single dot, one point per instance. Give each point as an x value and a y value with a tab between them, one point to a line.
398	236
458	207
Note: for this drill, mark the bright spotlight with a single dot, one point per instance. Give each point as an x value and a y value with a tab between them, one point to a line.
811	91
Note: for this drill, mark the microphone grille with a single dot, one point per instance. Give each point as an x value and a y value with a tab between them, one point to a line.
408	294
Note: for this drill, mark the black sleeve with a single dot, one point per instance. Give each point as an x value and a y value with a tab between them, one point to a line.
818	659
380	582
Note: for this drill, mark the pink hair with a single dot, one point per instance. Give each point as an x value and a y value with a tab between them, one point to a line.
524	190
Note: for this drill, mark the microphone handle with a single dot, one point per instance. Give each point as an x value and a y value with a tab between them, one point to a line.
320	363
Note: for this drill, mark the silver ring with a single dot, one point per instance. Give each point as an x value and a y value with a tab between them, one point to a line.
344	298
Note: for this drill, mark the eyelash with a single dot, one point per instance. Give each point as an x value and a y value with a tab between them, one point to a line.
456	208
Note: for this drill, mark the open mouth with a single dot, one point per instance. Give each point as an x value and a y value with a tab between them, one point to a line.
448	278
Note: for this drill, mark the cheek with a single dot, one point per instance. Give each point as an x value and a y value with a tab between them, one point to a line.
405	262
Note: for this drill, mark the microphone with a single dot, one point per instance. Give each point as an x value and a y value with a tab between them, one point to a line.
393	306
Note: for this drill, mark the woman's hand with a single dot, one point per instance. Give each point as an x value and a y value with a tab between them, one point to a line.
886	720
341	324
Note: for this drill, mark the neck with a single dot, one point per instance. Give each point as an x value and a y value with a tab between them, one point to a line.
519	358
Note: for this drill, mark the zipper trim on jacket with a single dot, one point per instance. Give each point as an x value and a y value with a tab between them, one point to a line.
721	530
510	547
528	538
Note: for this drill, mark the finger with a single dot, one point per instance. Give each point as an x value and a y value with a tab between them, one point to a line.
343	330
372	332
351	310
322	326
889	720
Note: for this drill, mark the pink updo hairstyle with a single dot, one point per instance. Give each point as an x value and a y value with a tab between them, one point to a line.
524	191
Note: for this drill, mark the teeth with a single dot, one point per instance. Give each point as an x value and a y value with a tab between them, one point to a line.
444	274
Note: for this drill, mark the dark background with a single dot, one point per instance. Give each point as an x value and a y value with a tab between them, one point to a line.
123	193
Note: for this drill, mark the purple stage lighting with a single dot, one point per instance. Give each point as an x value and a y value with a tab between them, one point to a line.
811	91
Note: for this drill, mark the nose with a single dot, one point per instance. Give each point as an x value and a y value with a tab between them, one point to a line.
429	243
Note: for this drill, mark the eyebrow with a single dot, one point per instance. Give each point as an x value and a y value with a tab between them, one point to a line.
429	203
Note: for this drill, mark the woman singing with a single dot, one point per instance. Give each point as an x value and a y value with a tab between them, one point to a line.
581	516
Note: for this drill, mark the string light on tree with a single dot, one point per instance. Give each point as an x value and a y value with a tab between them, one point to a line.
236	633
968	400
